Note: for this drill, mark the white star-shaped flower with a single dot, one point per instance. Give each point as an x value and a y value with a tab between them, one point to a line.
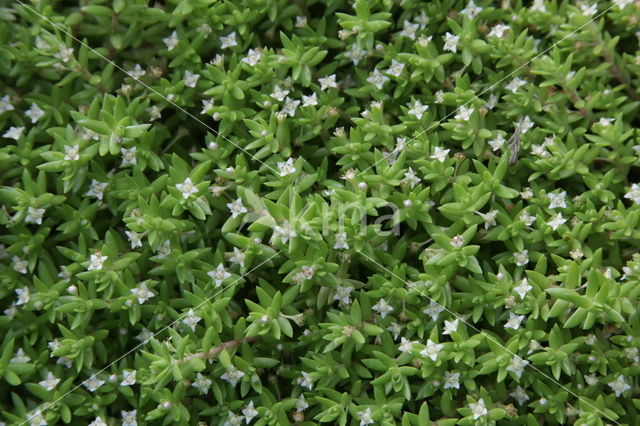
450	326
96	189
328	81
557	221
619	386
365	417
378	79
289	107
279	93
20	357
521	257
451	42
341	241
451	380
96	261
191	320
202	383
557	200
187	188
418	109
471	11
128	378
433	310
301	404
343	295
497	142
249	412
172	41
142	293
440	154
5	104
432	349
285	232
252	58
219	274
228	41
238	257
128	156
311	100
409	30
34	215
515	84
517	366
395	69
634	193
50	382
19	265
478	409
129	418
236	208
514	321
520	395
489	218
498	31
190	79
93	383
523	288
306	381
382	307
35	113
134	238
286	167
97	422
14	133
411	178
136	72
589	10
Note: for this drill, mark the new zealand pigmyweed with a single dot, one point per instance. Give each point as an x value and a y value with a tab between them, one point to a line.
272	213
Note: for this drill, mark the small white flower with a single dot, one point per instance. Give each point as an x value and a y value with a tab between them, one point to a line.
164	250
202	383
301	404
515	84
622	3
284	232
433	310
478	409
557	200
128	156
521	257
50	382
520	395
523	288
96	261
328	81
23	295
514	321
228	41
187	188
606	121
236	208
72	152
409	30
190	79
219	274
142	293
526	218
557	221
440	154
35	113
411	178
489	218
301	22
451	380
517	366
129	418
464	113
406	345
589	10
498	31
306	381
395	329
382	307
619	386
5	104
14	133
395	69
191	320
136	72
172	41
634	193
343	295
432	349
96	189
355	53
37	419
418	109
471	11
310	100
450	326
233	420
65	54
497	143
207	104
252	58
238	257
20	356
134	238
128	378
526	125
249	412
378	79
34	215
97	422
365	417
286	167
279	93
289	107
341	241
451	42
93	383
19	265
145	335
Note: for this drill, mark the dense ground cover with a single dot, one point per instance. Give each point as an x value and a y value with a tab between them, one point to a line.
281	212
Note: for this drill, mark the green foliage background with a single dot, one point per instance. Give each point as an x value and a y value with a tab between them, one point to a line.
343	269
